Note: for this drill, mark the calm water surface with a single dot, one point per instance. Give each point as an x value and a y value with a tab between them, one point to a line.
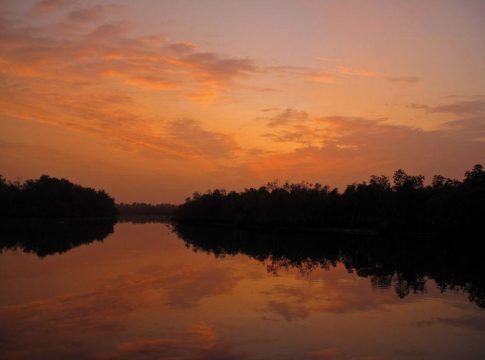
143	293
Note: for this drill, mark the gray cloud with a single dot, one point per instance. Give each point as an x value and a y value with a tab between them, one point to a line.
287	117
219	67
180	48
469	107
418	106
92	13
459	108
47	6
194	139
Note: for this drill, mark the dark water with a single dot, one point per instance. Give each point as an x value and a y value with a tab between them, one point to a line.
143	291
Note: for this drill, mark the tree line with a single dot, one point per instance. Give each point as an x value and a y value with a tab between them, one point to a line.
138	209
406	204
49	197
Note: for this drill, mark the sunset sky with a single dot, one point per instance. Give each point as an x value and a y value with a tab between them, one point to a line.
153	100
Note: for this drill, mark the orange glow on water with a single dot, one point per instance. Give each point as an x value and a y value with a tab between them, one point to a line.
141	293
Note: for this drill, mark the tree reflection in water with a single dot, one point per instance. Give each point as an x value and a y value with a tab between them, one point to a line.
48	237
403	261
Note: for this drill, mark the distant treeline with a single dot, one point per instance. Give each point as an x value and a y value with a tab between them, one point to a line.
145	210
48	197
406	204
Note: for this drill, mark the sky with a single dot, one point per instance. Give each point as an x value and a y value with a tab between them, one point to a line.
154	100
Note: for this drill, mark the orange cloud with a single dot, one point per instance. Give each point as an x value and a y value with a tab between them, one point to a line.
108	51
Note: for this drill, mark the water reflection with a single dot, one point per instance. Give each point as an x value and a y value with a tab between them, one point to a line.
403	262
49	237
141	294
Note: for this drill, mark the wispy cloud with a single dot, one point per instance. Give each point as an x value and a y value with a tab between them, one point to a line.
332	76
